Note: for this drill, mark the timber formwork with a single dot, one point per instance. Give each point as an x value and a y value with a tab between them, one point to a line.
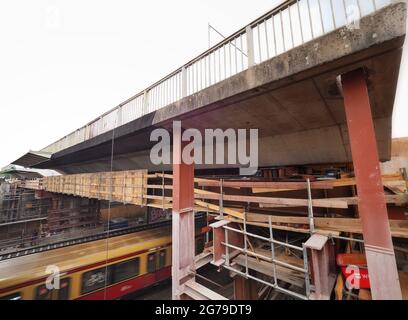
124	186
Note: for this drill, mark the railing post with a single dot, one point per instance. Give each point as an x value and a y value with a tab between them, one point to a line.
323	266
119	116
183	82
145	102
250	46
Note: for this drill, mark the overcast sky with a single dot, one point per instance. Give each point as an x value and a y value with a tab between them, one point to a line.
63	63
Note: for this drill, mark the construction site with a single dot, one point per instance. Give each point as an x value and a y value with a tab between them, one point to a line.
321	216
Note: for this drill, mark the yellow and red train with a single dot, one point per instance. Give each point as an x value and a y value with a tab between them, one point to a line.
90	271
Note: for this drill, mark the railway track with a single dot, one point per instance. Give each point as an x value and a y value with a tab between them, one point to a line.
79	240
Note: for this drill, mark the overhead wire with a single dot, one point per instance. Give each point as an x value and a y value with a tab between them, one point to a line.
109	212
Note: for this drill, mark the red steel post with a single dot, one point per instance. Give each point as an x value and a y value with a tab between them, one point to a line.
183	218
371	200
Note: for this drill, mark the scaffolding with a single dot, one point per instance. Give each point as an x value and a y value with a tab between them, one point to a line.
240	257
272	259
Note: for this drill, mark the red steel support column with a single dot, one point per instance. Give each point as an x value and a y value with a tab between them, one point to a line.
183	219
371	200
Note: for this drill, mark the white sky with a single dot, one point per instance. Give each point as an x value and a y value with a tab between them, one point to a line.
64	63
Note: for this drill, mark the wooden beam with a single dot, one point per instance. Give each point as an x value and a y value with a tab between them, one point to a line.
159	186
264	184
198	292
343	202
340	203
397	199
277	227
322	225
284	274
387	179
216	208
399	228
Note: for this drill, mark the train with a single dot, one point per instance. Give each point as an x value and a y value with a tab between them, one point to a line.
105	269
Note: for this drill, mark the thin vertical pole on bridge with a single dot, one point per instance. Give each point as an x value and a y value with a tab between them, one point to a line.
250	46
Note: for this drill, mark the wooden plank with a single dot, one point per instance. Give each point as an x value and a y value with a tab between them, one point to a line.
201	191
398	187
399	228
340	203
403	277
167	199
338	290
333	228
264	184
159	186
160	175
210	206
278	227
160	206
256	217
270	190
398	199
201	292
387	179
284	274
364	294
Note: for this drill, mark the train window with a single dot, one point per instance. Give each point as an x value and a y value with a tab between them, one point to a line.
96	279
162	259
14	296
151	262
42	293
126	270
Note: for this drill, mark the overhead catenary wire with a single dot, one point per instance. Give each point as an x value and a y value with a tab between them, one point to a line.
109	212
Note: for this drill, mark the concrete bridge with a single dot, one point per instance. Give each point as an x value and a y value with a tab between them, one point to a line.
278	74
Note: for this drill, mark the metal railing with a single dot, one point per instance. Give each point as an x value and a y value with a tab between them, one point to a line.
272	260
291	24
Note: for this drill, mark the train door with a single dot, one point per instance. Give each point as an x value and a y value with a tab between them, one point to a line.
156	261
43	293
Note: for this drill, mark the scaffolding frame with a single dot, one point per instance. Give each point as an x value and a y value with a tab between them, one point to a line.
272	259
228	262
